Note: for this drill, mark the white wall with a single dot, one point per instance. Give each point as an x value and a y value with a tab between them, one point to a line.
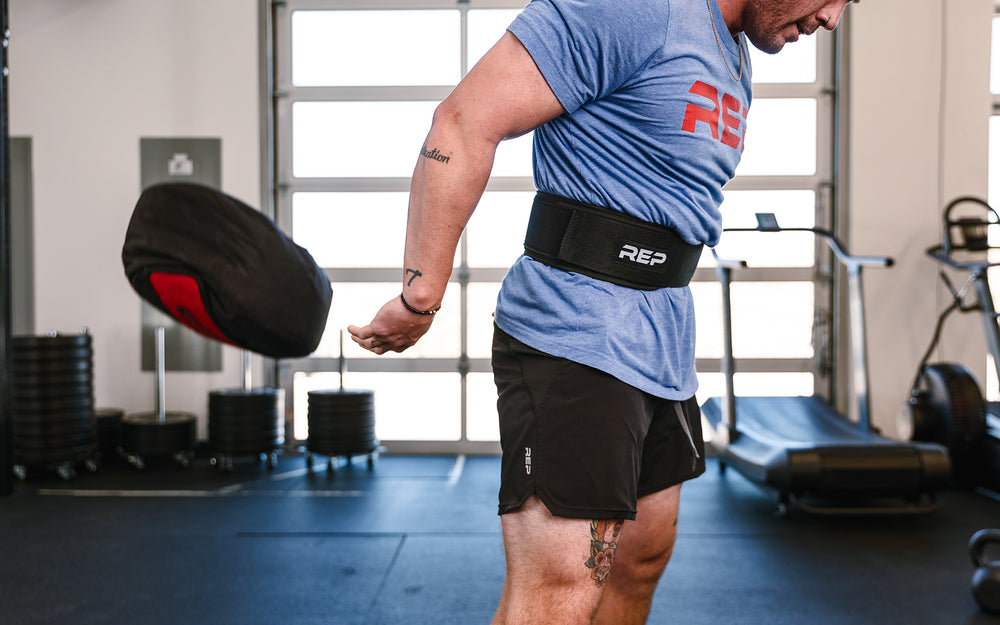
919	105
88	79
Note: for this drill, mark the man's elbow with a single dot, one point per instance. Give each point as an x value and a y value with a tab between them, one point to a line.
458	123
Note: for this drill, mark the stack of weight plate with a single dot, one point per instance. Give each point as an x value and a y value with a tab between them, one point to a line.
245	422
109	432
152	436
341	423
52	403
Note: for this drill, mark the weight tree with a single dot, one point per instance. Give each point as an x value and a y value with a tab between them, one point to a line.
6	462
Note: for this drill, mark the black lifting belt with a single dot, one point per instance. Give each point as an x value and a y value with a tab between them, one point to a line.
608	245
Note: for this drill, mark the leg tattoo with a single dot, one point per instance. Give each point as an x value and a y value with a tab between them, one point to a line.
604	536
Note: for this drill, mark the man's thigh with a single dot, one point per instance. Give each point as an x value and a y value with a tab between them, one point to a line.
557	567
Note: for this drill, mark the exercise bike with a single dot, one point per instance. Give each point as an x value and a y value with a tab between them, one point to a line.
802	447
946	405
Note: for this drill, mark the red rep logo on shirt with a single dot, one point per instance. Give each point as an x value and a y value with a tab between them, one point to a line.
734	114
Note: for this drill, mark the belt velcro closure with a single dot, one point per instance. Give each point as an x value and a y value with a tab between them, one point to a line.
608	245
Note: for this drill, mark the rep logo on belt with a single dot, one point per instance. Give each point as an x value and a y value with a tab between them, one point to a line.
641	256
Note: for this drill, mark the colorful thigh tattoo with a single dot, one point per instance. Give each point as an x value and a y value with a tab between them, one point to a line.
604	536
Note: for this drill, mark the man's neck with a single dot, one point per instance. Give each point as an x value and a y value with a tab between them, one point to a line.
732	12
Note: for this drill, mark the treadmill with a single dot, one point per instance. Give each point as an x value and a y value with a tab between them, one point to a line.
813	456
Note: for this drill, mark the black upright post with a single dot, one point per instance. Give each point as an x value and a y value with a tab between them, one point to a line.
6	423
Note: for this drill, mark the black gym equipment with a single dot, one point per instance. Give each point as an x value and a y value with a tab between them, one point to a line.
159	434
225	270
946	404
52	398
109	433
986	578
6	424
341	422
245	421
812	455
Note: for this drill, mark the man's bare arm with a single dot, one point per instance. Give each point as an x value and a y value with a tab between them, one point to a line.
504	96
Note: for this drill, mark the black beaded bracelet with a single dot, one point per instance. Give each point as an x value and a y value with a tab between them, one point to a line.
414	310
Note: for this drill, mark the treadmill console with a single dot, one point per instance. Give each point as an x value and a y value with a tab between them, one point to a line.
767	222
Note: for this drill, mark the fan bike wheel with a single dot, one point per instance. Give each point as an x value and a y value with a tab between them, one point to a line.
950	411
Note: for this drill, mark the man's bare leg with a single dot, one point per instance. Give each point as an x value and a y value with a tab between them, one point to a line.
645	548
554	575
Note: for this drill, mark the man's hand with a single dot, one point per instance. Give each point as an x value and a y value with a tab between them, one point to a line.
394	329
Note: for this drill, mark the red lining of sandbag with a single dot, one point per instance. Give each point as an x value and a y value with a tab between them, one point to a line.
182	297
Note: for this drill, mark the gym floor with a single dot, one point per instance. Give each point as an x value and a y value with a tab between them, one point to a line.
416	540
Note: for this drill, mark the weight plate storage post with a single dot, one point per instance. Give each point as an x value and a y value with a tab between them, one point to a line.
159	433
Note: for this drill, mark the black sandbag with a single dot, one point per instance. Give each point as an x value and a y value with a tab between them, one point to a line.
225	270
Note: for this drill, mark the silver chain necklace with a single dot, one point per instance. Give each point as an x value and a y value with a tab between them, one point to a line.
719	43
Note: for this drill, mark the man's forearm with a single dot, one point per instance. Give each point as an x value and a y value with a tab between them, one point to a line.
448	181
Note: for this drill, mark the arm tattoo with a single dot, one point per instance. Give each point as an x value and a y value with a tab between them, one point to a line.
416	274
604	535
434	155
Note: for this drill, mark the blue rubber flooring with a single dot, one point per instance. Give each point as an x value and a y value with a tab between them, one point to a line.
416	540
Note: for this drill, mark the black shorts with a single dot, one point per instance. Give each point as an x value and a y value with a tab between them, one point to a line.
585	443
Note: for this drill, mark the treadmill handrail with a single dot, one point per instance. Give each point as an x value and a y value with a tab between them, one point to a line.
838	248
731	263
724	272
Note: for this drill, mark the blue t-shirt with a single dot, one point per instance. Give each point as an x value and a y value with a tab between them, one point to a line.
654	127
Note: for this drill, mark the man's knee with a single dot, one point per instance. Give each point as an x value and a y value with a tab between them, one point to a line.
648	542
643	567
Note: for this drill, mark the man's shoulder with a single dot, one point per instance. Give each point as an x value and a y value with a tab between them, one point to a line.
614	8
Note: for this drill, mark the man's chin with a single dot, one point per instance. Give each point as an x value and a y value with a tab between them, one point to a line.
772	46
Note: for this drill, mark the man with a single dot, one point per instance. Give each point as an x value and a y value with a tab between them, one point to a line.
639	110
